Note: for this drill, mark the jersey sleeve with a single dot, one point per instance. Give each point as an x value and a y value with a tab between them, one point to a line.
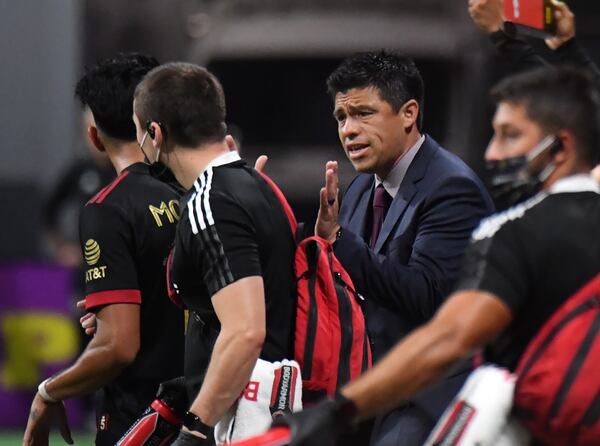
225	245
108	252
501	265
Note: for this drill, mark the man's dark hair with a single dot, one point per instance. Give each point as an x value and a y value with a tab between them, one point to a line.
558	98
107	89
396	77
188	102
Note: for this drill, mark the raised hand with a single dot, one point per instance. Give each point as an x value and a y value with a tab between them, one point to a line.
487	14
329	206
260	163
565	25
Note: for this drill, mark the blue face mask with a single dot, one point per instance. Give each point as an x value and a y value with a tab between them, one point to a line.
512	180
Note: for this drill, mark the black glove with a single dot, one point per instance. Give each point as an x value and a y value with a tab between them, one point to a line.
174	394
188	439
321	424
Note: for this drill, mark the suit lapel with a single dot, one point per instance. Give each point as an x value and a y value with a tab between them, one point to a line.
357	220
408	189
401	200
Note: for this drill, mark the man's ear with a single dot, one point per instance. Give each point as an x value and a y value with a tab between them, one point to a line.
156	135
94	137
566	150
410	113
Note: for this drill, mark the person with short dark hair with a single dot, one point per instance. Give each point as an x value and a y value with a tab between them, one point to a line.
126	230
522	263
232	263
404	221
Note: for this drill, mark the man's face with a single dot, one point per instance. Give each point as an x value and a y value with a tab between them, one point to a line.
514	133
372	134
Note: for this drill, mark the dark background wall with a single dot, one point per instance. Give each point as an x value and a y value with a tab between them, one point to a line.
272	56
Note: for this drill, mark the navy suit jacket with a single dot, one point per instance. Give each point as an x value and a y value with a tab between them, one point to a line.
417	257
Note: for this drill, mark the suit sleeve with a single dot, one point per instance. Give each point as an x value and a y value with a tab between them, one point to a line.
417	287
109	255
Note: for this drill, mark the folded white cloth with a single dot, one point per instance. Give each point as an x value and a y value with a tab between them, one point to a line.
479	414
274	388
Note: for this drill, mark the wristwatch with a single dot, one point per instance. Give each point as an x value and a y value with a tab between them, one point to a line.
193	423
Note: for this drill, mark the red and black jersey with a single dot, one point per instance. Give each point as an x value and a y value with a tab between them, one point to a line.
126	231
232	226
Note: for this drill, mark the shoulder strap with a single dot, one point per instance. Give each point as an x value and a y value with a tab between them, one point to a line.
286	206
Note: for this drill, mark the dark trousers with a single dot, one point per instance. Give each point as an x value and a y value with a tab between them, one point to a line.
405	426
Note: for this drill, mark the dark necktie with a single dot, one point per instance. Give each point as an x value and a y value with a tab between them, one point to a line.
381	204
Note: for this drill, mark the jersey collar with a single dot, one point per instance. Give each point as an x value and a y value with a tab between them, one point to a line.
575	183
226	158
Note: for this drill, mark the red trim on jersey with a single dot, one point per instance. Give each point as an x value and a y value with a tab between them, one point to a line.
113	297
100	196
91	200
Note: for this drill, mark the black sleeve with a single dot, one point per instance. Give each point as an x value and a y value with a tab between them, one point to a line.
572	53
500	262
225	245
108	250
518	53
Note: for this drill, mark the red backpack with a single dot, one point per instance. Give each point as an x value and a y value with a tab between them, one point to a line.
557	395
331	342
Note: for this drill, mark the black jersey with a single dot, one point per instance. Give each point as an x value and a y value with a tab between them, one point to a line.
126	231
232	226
534	256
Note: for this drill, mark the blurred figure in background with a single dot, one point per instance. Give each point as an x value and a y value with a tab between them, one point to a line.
488	16
126	231
81	180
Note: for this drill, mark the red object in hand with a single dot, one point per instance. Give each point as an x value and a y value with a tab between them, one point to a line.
529	17
278	436
157	425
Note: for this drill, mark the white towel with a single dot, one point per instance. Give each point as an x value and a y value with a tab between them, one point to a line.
273	389
479	414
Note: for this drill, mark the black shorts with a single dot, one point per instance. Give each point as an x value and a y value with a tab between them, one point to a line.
112	421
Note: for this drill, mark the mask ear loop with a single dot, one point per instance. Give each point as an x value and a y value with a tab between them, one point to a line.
551	143
156	169
141	145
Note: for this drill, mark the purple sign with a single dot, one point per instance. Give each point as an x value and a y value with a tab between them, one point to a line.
38	336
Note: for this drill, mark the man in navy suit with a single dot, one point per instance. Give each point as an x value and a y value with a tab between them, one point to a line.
404	222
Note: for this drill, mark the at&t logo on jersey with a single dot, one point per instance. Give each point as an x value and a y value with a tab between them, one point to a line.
91	252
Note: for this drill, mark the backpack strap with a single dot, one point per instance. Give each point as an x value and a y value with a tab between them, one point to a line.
286	206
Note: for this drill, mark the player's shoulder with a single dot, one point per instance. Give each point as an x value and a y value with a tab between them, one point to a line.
520	214
134	186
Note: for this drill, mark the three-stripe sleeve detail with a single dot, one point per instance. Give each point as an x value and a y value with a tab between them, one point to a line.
203	224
